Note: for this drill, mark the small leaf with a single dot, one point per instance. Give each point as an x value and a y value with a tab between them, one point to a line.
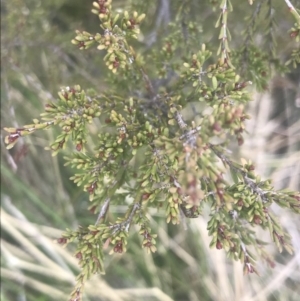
214	82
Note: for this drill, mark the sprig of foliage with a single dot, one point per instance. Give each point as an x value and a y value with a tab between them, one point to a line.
150	153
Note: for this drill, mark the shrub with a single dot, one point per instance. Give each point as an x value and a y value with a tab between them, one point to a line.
174	107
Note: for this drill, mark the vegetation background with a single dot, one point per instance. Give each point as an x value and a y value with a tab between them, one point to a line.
38	201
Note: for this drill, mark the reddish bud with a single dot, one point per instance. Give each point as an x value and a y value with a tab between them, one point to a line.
122	136
240	203
92	188
118	247
240	86
145	196
92	210
116	63
194	63
217	127
296	197
79	147
102	10
50	106
179	191
271	263
219	245
251	167
240	140
263	73
147	235
78	255
133	23
257	220
148	244
13	137
62	240
294	34
168	46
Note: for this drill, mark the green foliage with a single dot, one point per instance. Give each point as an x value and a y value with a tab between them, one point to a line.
150	151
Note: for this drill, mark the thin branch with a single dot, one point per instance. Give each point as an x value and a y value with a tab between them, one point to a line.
147	81
293	10
290	5
223	34
103	210
249	35
126	223
162	18
250	182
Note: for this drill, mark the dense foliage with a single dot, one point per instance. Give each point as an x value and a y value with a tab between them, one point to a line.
173	107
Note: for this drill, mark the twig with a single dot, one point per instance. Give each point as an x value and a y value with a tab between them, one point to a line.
126	223
251	183
249	34
293	10
223	35
147	81
103	210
